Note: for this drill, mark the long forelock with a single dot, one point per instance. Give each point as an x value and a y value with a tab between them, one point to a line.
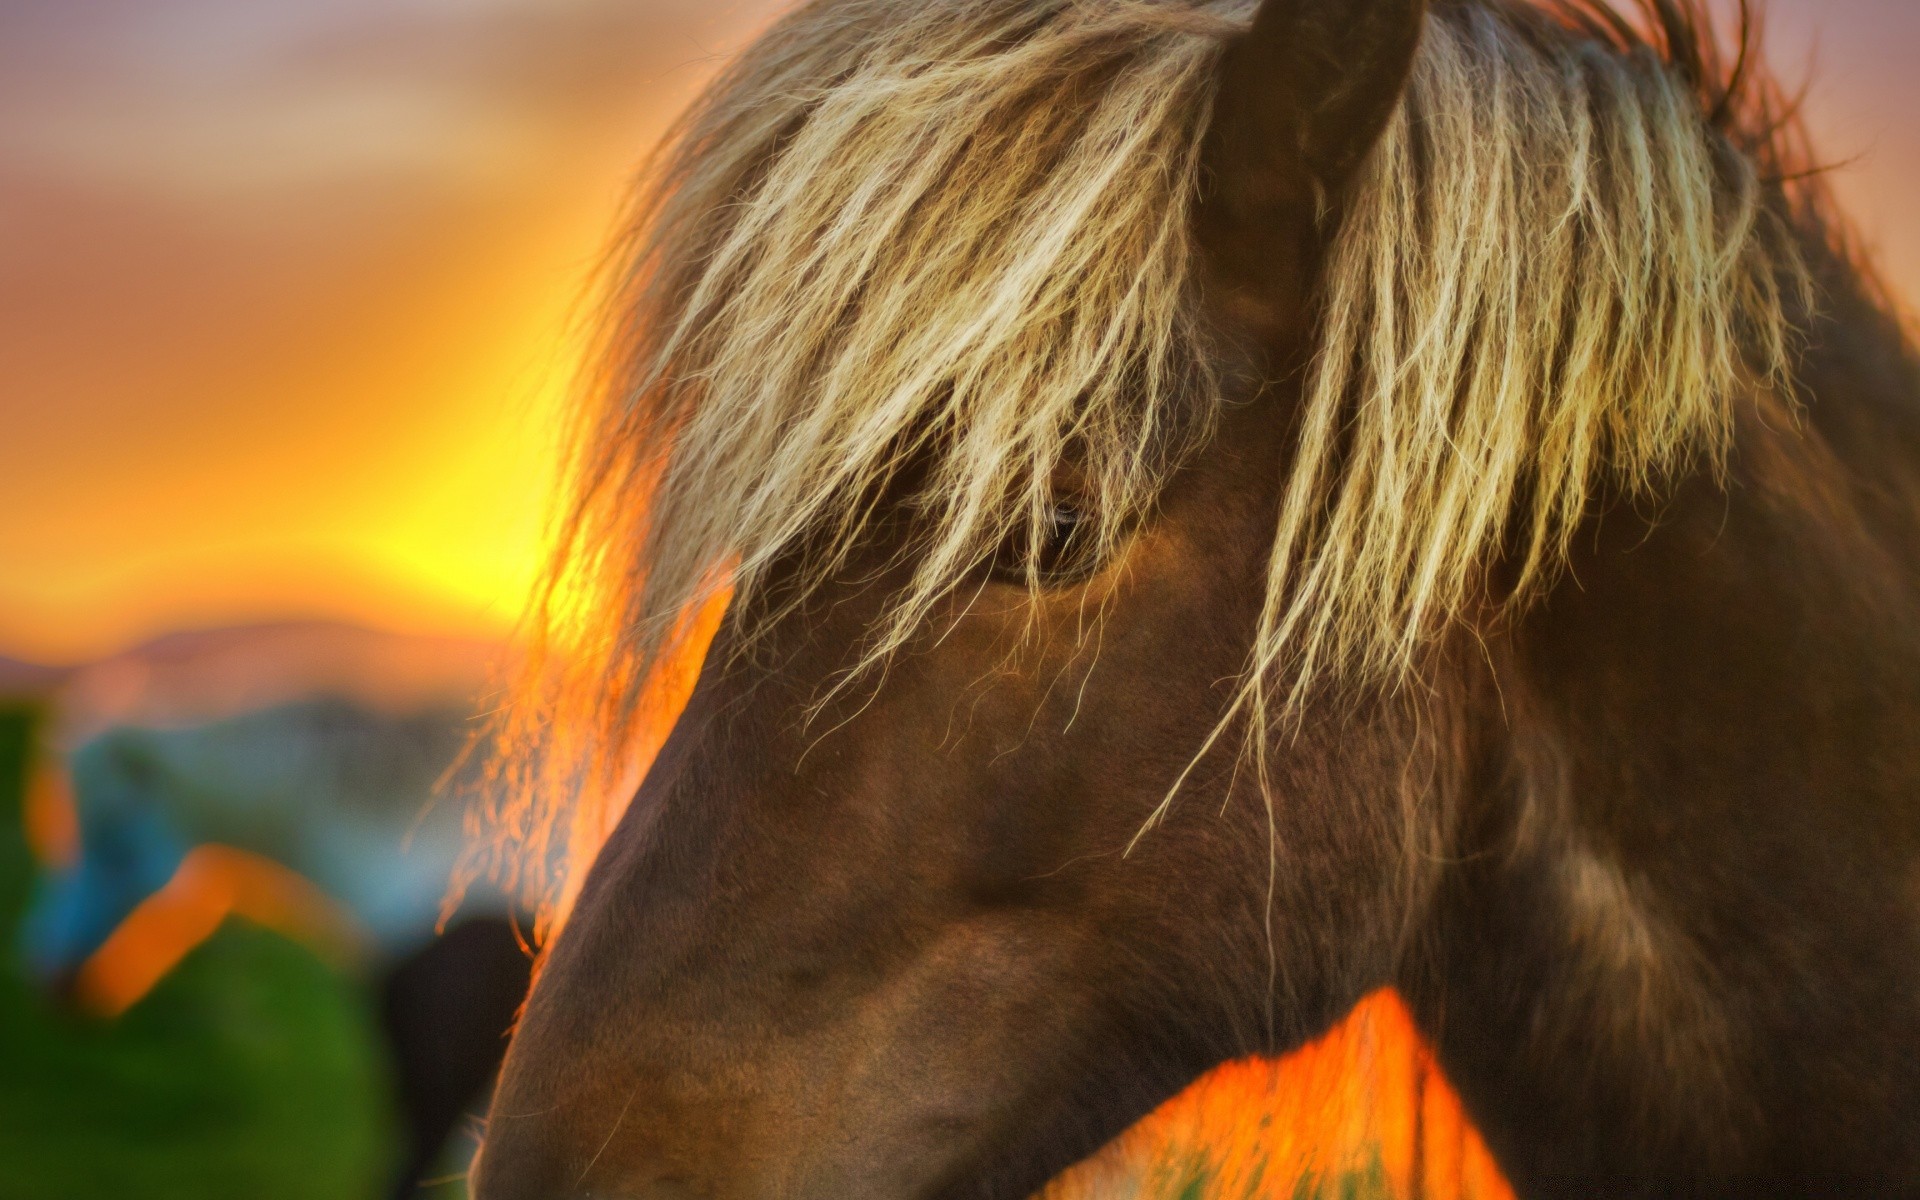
958	233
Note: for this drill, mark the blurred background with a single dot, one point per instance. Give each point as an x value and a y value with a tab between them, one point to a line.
291	290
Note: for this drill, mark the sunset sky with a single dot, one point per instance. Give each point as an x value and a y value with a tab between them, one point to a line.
287	283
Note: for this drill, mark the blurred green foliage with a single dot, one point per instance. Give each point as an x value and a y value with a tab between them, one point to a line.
253	1070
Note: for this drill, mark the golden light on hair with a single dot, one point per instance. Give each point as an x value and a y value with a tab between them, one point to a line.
959	236
1553	279
951	241
1552	282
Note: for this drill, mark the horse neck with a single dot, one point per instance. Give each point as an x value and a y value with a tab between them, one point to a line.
1681	940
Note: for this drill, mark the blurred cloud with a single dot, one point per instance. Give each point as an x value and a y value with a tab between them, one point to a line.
227	101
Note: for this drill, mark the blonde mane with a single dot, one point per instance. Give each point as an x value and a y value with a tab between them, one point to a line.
944	248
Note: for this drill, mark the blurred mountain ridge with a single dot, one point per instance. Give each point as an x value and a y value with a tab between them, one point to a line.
194	676
24	680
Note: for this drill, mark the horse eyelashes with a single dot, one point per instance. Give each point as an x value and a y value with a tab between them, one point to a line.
1067	534
1063	554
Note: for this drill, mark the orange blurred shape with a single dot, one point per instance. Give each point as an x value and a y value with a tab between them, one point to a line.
662	698
1366	1100
51	821
212	883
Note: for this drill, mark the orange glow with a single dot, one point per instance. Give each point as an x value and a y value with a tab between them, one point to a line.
212	883
661	700
1366	1097
51	820
287	336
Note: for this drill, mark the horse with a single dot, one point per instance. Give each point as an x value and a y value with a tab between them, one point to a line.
1227	507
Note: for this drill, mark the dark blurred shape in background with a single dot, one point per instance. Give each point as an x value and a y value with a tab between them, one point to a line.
444	1009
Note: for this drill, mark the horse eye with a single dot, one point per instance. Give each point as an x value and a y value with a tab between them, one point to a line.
1062	554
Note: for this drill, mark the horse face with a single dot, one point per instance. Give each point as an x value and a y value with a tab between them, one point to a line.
902	948
913	943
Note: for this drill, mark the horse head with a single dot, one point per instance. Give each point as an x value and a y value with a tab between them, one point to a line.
1139	440
900	932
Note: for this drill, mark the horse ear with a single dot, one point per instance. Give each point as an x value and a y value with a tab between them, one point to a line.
1303	95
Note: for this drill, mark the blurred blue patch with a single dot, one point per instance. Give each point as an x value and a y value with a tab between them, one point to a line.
254	1070
343	795
130	848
